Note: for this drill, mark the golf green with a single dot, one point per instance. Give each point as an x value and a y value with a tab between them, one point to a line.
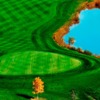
36	63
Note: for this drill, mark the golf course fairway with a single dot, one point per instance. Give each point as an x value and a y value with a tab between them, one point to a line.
28	50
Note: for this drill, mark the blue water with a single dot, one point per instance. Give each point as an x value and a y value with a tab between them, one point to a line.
87	32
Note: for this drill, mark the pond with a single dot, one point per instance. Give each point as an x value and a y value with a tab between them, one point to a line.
87	32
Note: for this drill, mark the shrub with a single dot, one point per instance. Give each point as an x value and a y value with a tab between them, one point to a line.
73	48
87	52
80	50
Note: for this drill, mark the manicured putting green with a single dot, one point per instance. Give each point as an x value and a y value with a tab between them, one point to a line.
32	62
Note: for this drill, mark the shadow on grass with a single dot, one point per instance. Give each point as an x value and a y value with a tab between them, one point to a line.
24	96
59	94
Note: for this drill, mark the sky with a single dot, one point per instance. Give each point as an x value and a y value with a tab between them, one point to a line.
87	32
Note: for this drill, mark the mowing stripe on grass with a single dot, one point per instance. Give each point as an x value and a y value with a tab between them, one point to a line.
32	62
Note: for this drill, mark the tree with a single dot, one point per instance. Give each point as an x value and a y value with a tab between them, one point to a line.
38	86
71	40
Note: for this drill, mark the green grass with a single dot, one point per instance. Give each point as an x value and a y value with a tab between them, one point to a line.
36	63
28	51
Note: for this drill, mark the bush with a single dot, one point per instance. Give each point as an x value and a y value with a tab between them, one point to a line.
87	52
73	48
80	50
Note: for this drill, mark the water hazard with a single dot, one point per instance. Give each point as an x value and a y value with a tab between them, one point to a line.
87	32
